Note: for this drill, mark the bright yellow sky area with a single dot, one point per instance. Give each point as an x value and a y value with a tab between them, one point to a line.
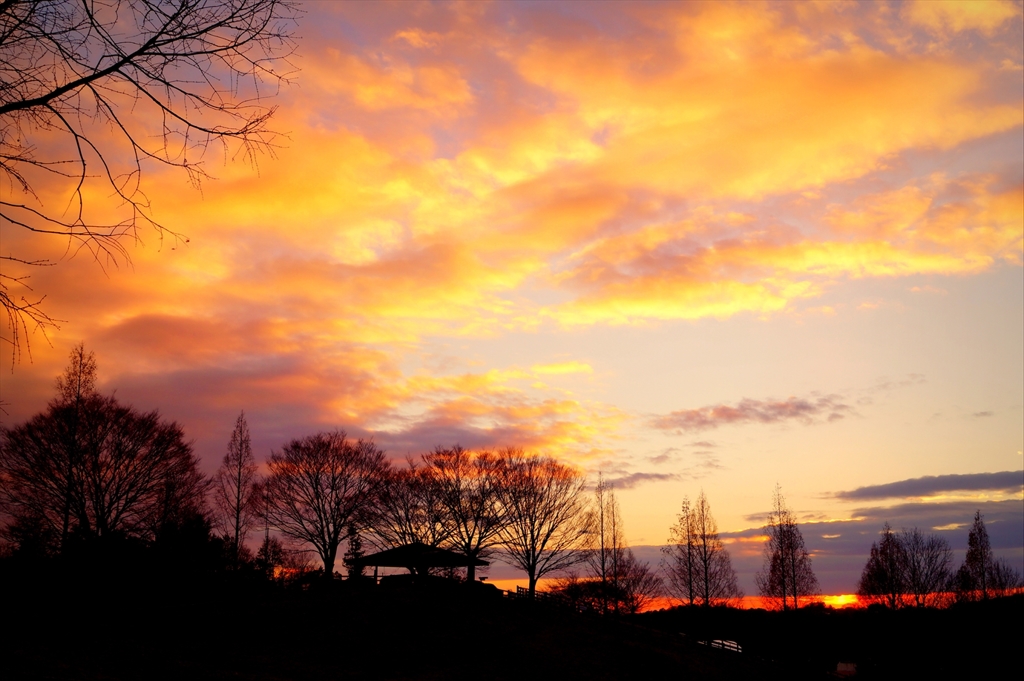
690	245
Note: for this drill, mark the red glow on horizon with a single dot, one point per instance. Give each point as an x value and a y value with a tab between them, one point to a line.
837	601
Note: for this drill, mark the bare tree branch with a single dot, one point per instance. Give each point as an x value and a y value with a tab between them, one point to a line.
93	91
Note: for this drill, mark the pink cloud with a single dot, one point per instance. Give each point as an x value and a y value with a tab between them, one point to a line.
802	410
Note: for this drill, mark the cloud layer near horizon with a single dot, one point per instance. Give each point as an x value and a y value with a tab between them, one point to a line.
932	485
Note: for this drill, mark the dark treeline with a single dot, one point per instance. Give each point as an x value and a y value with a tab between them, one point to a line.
909	568
90	477
96	482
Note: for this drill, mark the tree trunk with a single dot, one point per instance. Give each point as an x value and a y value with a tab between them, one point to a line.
329	563
471	572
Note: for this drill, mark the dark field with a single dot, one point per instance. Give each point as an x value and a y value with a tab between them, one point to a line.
127	628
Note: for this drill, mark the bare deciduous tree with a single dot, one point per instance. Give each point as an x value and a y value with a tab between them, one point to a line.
126	473
1004	578
79	378
233	489
907	568
318	485
883	579
700	570
473	515
928	567
603	557
407	509
680	562
637	584
786	575
92	91
547	523
618	582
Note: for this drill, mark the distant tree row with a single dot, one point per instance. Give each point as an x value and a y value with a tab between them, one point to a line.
90	470
909	568
614	581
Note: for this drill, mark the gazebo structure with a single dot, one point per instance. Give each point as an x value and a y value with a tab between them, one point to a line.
417	558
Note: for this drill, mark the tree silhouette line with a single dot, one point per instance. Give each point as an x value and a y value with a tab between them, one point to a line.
909	568
90	471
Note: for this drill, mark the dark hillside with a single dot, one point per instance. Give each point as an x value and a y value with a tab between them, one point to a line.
970	640
133	631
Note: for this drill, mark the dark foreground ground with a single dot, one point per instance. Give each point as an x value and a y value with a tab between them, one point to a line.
132	629
113	633
980	640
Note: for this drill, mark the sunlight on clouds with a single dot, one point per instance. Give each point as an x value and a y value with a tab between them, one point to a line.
458	176
391	83
979	497
961	15
575	193
725	123
676	298
571	367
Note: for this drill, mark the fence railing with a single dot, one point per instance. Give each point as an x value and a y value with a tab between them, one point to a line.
723	645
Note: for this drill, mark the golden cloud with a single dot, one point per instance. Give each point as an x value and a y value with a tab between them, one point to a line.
985	16
469	178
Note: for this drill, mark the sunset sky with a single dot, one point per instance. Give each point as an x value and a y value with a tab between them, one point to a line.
688	245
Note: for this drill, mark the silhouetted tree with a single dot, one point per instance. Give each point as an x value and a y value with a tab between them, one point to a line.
77	383
981	575
79	378
699	567
270	555
318	485
1003	578
547	523
978	561
354	553
91	92
680	560
787	575
622	582
635	587
635	582
234	485
603	559
928	566
92	468
470	503
30	537
407	508
883	579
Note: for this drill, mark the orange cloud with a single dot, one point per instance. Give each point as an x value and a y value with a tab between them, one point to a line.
455	174
985	16
682	271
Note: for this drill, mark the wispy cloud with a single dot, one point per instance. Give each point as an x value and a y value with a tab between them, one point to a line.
936	484
802	410
636	479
